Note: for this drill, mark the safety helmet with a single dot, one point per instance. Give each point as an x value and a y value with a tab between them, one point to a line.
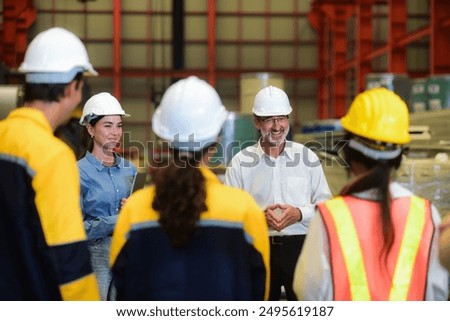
55	56
380	115
271	101
190	115
100	105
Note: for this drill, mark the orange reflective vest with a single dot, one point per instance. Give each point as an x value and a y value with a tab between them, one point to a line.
359	270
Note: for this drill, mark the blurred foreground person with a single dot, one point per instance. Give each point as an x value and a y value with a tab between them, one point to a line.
106	180
189	237
376	241
43	248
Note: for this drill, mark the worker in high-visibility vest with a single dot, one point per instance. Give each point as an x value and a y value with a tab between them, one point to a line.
376	240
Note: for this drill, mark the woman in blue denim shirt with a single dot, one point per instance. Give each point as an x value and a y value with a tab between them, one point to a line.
106	180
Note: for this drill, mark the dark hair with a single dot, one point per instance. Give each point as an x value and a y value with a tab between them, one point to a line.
48	92
377	176
180	195
94	121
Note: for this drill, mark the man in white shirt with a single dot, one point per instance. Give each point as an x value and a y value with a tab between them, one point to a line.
287	181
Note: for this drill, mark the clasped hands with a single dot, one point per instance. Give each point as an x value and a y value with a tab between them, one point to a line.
279	216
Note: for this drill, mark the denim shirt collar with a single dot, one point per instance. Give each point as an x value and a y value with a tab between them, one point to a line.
98	164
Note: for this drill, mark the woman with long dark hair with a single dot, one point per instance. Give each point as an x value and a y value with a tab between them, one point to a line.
106	180
189	237
377	240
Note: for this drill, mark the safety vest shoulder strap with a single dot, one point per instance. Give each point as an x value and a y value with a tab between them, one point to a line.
338	216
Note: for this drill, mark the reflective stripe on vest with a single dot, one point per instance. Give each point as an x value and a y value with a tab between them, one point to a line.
340	222
415	224
348	238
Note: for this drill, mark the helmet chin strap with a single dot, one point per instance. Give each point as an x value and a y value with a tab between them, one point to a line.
90	117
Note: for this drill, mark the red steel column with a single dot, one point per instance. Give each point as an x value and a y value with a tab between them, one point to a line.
397	28
318	21
212	42
364	41
18	16
338	15
117	67
267	36
440	35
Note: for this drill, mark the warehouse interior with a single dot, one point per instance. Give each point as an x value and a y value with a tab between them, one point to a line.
321	52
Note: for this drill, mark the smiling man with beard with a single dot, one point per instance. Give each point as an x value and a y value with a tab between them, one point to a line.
287	181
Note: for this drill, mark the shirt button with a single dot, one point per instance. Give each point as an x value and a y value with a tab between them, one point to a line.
117	190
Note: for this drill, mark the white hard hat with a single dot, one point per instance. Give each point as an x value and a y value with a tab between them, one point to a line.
100	105
55	56
271	101
190	115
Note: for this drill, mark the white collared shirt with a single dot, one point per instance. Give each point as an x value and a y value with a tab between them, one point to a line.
295	177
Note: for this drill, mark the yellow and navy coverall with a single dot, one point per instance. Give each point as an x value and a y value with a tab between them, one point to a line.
227	259
43	249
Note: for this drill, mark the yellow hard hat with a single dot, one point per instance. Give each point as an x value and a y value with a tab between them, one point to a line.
380	115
